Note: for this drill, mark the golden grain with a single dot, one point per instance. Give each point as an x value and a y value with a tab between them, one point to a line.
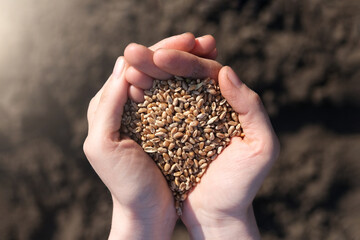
183	125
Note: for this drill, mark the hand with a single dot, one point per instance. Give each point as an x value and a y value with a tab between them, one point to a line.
143	70
220	206
143	203
237	173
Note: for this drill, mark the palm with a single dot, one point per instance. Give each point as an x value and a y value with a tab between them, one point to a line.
145	188
231	181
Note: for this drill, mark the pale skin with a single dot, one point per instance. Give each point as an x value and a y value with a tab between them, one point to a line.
143	203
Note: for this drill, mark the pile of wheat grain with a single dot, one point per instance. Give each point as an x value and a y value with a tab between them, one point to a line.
183	124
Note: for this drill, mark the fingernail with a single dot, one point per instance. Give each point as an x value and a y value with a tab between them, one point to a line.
234	78
119	67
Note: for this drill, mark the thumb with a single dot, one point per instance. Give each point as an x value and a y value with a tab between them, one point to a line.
252	114
107	119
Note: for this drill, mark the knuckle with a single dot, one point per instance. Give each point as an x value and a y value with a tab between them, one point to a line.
255	98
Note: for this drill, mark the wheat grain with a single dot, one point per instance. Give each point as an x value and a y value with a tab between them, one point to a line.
183	125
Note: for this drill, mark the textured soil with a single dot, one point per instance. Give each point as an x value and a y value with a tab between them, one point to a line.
302	57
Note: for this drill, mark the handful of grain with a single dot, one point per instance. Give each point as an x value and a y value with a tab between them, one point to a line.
183	125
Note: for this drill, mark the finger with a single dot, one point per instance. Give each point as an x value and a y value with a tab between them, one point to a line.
184	42
212	55
186	64
136	94
141	58
247	104
139	75
204	45
138	79
108	114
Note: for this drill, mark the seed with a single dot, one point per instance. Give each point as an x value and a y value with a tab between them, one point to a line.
213	106
210	153
196	163
220	135
179	152
162	150
184	138
234	117
208	130
195	133
171	146
204	165
166	167
176	119
231	130
178	135
186	174
219	150
159	134
208	148
159	123
150	150
142	110
168	111
201	116
222	102
177	182
169	100
183	196
222	115
200	103
194	123
234	133
212	120
212	136
166	156
202	161
212	91
186	148
232	123
173	167
173	131
202	153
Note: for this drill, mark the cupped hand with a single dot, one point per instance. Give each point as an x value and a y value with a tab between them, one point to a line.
220	206
143	203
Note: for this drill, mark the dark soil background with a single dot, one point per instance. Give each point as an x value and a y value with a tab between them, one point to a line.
302	57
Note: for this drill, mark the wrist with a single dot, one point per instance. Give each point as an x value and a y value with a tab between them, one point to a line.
127	225
240	226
